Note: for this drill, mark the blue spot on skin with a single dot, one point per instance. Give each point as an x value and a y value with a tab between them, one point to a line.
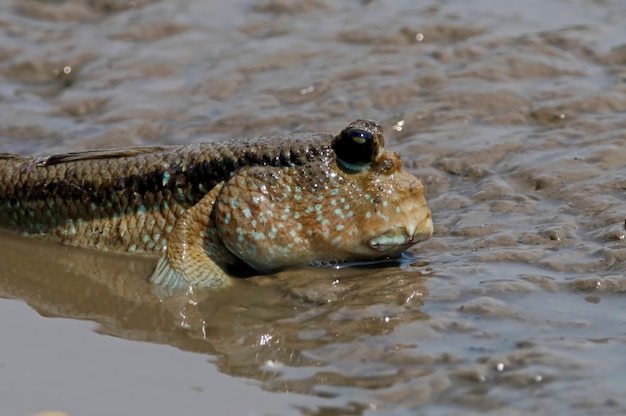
247	213
309	210
297	197
227	219
296	215
298	189
368	214
166	178
338	212
299	226
334	191
318	207
258	235
253	223
333	202
339	227
234	203
141	209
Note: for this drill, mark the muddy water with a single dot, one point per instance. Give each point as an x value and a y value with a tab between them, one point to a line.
513	115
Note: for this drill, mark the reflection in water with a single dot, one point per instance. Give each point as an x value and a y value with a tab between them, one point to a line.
281	329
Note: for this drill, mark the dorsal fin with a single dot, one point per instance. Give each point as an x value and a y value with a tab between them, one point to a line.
98	154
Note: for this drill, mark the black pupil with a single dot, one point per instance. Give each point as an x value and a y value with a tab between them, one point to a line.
356	147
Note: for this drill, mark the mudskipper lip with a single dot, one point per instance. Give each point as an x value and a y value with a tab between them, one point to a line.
403	237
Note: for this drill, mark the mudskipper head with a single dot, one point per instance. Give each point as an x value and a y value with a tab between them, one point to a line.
352	202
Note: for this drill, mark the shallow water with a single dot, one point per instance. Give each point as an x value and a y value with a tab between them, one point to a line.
513	115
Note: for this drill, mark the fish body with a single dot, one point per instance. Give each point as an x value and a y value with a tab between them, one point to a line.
213	209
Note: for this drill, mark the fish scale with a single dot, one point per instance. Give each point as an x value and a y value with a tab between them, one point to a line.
52	195
208	208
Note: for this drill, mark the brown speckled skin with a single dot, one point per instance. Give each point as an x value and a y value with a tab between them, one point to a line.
267	203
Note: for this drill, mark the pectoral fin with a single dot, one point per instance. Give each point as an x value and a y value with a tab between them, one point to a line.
195	256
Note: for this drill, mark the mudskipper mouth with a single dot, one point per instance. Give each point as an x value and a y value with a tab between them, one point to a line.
402	237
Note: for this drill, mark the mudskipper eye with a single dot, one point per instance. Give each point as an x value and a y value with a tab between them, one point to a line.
355	149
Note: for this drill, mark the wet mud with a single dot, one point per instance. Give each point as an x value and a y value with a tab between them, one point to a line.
513	116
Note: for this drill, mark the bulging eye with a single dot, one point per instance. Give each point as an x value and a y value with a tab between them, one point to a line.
355	148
